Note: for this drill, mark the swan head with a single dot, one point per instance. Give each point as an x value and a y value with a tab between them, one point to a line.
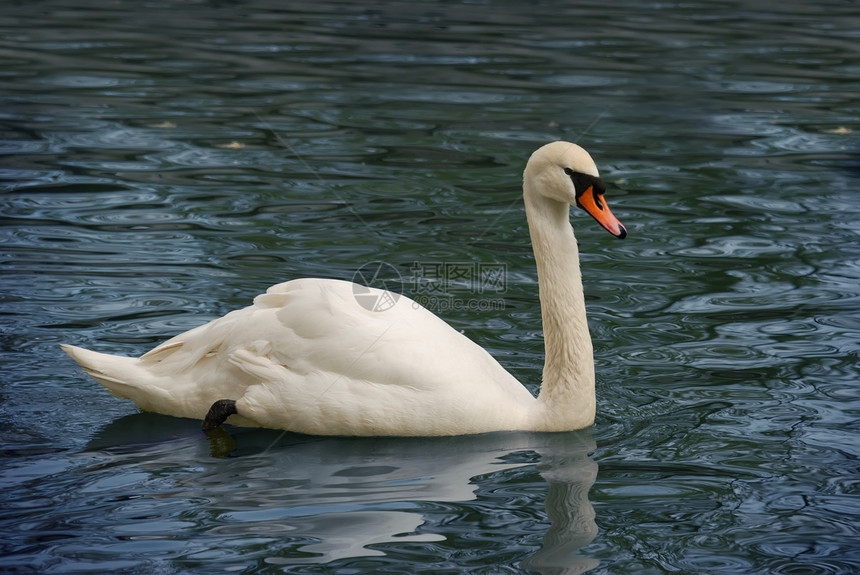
565	173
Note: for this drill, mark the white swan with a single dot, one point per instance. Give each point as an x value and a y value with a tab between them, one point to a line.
308	358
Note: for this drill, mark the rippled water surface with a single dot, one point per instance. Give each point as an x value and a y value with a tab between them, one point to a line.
164	162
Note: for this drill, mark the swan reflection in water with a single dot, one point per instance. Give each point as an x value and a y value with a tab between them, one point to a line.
318	500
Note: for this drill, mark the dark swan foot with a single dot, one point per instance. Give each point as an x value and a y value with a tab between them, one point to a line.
221	443
218	414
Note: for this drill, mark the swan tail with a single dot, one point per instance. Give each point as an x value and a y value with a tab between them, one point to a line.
121	376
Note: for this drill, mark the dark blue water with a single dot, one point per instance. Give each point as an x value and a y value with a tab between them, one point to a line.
162	163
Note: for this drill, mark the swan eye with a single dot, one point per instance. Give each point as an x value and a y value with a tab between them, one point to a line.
583	182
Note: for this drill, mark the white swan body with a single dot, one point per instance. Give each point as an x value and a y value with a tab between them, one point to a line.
309	358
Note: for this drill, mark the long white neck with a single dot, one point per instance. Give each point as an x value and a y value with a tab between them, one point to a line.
567	396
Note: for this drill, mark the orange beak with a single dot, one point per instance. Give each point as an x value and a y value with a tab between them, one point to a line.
595	204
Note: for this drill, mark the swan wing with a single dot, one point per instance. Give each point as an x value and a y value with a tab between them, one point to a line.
309	357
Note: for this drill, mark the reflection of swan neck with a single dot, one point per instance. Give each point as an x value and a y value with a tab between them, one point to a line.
569	473
567	391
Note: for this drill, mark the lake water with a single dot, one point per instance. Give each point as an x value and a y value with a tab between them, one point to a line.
163	162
